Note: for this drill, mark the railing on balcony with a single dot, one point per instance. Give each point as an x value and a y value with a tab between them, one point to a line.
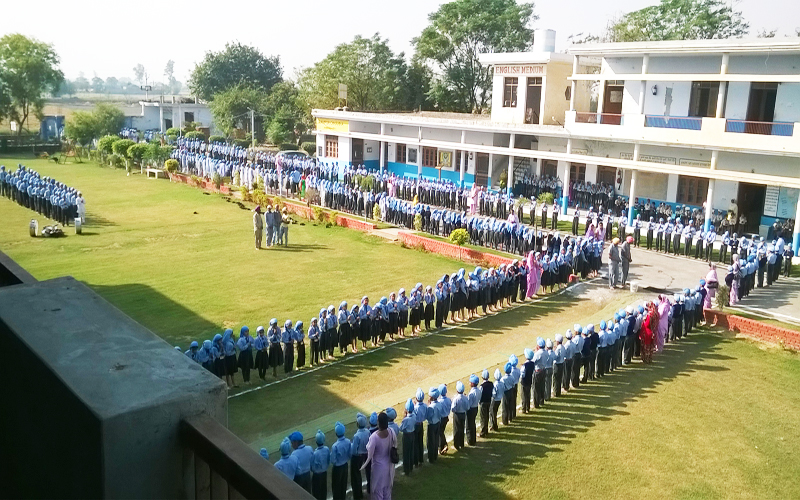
677	122
785	129
602	118
224	467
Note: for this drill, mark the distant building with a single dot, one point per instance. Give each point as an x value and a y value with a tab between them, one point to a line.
695	123
164	114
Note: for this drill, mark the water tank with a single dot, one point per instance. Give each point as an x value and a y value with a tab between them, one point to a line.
544	41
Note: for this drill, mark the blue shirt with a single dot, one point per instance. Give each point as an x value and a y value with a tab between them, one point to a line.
322	459
360	439
341	451
304	455
287	465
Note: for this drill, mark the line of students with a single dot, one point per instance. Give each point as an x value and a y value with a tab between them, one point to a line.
44	195
553	367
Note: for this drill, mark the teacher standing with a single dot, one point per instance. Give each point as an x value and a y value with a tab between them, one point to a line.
379	448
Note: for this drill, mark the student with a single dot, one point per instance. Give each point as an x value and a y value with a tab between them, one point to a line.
364	313
341	452
245	345
275	351
359	455
428	312
352	319
330	325
487	390
313	337
548	370
559	356
402	312
434	417
507	383
473	399
287	337
299	341
287	463
392	415
344	328
218	351
261	345
445	405
568	354
258	226
527	380
205	356
460	406
304	456
319	468
539	363
191	353
515	376
498	391
407	426
420	414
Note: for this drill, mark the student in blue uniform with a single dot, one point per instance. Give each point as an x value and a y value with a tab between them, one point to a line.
359	455
420	414
391	414
558	365
319	468
275	351
344	328
548	371
407	428
445	405
507	382
313	338
287	463
205	356
515	376
304	456
218	356
341	451
474	399
527	380
194	348
434	417
539	362
245	345
498	392
300	344
460	406
287	337
486	399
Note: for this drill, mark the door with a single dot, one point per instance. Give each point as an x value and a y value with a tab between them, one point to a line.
612	103
761	108
751	203
357	152
482	169
533	101
167	123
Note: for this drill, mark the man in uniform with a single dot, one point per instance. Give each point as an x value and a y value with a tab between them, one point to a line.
258	226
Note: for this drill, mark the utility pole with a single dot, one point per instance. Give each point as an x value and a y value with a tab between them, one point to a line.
253	127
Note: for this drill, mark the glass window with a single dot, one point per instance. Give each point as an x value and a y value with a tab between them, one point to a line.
429	157
703	100
400	153
692	190
332	147
510	92
577	172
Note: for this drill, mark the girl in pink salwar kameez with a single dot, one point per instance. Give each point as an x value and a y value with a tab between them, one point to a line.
663	322
712	283
534	274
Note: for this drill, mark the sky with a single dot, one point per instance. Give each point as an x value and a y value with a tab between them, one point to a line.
94	39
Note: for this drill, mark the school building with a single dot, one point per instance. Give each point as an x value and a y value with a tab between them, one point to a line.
682	122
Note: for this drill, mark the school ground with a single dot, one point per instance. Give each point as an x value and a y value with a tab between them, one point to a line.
713	417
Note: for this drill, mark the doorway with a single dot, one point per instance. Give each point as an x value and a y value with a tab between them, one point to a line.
761	107
750	200
533	101
357	152
481	169
167	123
612	103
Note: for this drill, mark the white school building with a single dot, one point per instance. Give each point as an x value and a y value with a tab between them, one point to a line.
680	122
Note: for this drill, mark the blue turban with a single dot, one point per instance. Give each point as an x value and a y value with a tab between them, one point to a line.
473	379
443	389
513	360
702	282
244	330
296	436
602	324
420	395
459	387
286	448
273	321
361	420
373	419
339	429
410	405
528	354
320	438
540	342
194	344
264	453
391	413
216	338
485	374
507	368
497	373
434	393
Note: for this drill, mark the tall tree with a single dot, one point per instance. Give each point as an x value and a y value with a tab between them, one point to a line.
237	64
140	74
679	20
108	119
173	85
286	112
231	107
461	30
29	71
373	73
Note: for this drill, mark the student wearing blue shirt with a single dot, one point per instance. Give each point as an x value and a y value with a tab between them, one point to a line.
341	451
313	338
275	351
508	387
287	338
319	468
460	406
192	351
420	415
444	405
407	426
287	463
358	456
498	391
304	456
539	365
527	380
218	356
300	344
434	417
245	345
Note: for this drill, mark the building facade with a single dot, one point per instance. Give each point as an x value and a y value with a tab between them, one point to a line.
693	123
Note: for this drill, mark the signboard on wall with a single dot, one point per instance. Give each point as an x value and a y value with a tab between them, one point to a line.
666	160
328	125
771	201
445	159
787	203
519	69
686	162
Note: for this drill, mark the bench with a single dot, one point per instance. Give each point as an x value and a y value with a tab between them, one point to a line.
156	172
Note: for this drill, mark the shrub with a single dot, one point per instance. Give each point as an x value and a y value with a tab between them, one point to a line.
245	193
197	180
521	202
333	217
216	179
376	212
217	138
418	222
366	183
115	160
309	147
288	146
242	143
319	214
173	131
137	152
195	135
171	138
459	237
106	143
503	179
236	178
157	153
546	198
171	165
722	297
121	147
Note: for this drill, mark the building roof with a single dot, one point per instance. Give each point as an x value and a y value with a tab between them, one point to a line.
690	47
523	58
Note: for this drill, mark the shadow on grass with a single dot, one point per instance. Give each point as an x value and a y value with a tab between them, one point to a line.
94	220
296	248
485	470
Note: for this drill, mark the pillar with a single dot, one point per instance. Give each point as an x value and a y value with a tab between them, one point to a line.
632	195
709	205
382	151
161	119
643	86
565	189
575	67
463	158
510	181
723	87
796	237
491	167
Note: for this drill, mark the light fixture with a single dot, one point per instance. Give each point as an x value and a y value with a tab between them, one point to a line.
655	89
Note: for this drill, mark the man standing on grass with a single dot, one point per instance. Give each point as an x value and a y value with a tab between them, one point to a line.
614	260
269	223
485	402
539	362
460	407
258	226
625	254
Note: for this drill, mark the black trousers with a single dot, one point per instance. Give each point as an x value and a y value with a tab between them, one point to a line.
314	352
319	485
339	481
507	406
442	427
419	439
538	388
459	427
288	357
588	367
576	370
472	413
493	414
567	373
485	410
433	442
408	452
355	475
304	480
558	374
526	398
630	340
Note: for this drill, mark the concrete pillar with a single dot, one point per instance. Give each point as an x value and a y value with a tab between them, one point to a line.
463	158
723	86
161	119
419	151
632	195
510	182
382	150
600	99
643	86
575	67
538	167
709	205
565	190
491	167
796	237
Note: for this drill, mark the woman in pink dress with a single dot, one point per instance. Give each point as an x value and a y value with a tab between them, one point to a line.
534	274
711	284
663	322
379	449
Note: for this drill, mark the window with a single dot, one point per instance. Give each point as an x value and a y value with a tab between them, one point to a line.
400	153
510	92
550	168
577	172
606	175
188	116
429	157
332	147
412	155
692	190
703	101
457	161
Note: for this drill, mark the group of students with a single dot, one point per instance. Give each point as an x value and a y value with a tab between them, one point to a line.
42	194
552	367
756	264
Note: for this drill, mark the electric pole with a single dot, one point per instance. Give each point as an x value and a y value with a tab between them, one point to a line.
253	128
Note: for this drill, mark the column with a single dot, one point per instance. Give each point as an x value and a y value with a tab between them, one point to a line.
723	87
161	119
709	205
491	167
600	99
796	237
419	151
575	67
643	87
538	167
565	189
463	158
632	195
382	151
510	181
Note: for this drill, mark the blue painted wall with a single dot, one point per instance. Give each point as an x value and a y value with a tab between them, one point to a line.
408	170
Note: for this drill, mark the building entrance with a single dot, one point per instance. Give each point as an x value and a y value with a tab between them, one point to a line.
750	200
481	169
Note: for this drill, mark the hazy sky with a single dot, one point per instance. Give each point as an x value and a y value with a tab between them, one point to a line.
109	39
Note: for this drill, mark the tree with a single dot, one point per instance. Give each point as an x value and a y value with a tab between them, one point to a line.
230	107
81	83
139	74
286	112
374	76
109	119
679	20
236	64
461	30
765	33
112	84
81	127
173	85
98	85
29	70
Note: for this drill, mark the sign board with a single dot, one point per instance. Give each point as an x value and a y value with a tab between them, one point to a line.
771	201
578	151
445	159
328	125
342	91
666	160
685	162
13	126
787	203
520	69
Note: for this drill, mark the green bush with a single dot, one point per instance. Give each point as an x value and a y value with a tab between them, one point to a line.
288	146
195	135
722	297
319	214
309	147
376	212
366	183
173	131
116	160
137	152
546	198
333	216
171	165
418	222
216	179
245	193
121	147
503	179
217	138
106	143
459	237
242	143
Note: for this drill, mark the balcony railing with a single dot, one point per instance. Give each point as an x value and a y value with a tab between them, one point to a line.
764	128
601	118
677	122
226	468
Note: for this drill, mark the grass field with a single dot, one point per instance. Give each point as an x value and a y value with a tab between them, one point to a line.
713	417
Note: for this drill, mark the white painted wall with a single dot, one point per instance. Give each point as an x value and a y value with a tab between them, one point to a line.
368	127
672	188
763	164
591	173
344	149
621	65
400	131
441	134
724	192
787	104
736	105
686	64
767	64
657	104
630	98
478	138
371	150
